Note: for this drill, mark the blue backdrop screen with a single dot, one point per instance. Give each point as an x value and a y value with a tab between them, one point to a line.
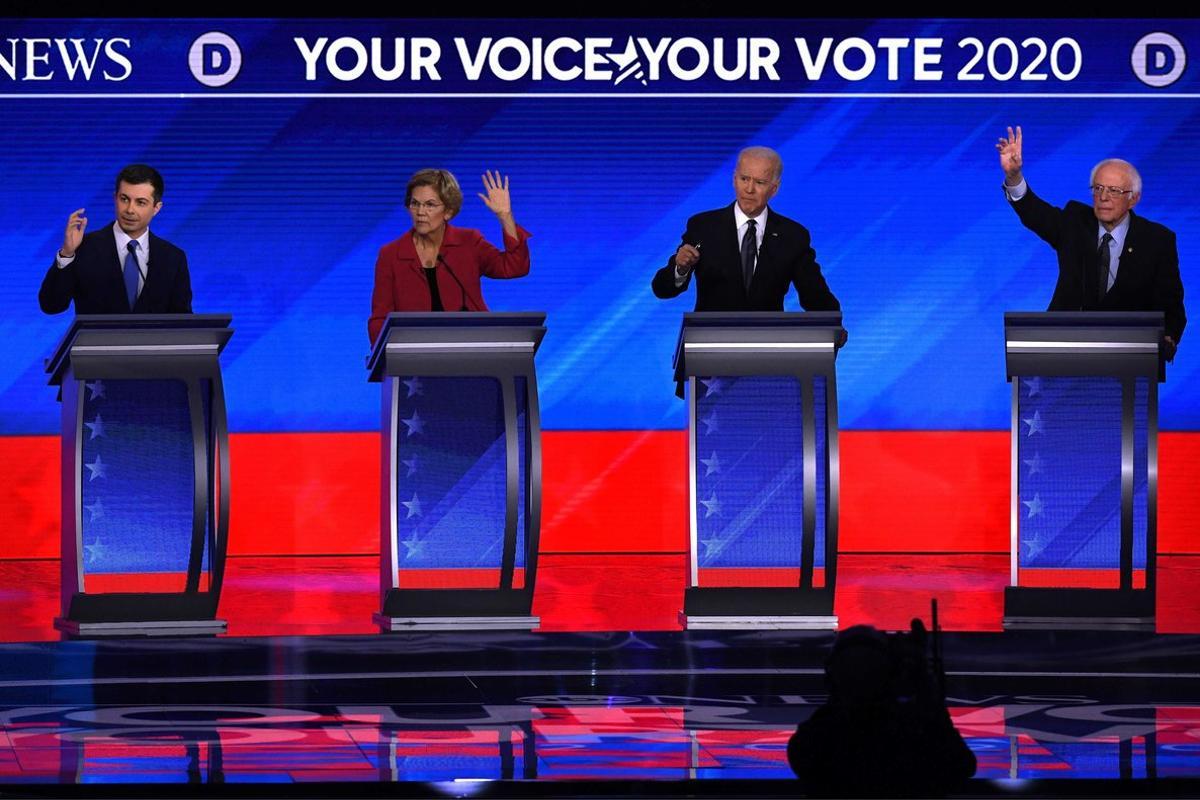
282	189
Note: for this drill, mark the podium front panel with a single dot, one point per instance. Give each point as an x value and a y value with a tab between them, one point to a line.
1074	445
138	487
761	474
452	482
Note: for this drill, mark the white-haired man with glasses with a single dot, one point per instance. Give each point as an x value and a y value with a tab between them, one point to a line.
1109	259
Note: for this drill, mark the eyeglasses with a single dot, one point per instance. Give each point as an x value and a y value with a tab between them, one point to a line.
1110	191
428	205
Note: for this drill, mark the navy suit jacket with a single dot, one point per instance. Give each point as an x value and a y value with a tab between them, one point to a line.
785	258
95	280
1147	277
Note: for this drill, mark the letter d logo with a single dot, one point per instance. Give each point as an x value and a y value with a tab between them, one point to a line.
214	59
1158	59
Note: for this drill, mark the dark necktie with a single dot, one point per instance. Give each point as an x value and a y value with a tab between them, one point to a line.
131	273
749	252
1105	256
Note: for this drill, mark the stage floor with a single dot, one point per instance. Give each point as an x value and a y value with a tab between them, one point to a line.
564	714
570	710
283	596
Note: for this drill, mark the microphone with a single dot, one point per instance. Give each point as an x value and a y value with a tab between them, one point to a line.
461	288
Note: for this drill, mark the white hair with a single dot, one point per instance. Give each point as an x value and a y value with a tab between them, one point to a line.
1135	177
758	151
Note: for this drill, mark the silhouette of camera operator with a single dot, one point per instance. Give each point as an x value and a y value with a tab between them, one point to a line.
885	730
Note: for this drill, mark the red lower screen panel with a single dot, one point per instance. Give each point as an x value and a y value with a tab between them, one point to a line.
604	492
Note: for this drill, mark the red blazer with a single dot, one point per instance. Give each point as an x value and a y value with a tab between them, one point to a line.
400	283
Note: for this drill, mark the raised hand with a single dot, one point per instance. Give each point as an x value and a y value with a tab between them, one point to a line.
76	225
1010	156
497	199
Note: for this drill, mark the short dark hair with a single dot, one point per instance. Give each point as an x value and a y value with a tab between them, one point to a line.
141	173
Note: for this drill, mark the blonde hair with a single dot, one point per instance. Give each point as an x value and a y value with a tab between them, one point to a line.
443	183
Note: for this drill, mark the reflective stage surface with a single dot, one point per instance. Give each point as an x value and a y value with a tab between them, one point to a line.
562	714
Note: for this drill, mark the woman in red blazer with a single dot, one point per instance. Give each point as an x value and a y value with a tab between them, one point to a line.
436	267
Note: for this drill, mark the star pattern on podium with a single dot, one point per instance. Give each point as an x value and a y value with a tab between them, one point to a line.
710	422
712	464
1035	464
95	427
413	547
94	550
712	386
1034	423
414	386
1035	546
1035	506
97	468
411	464
95	389
712	506
712	547
414	424
1034	385
95	511
413	506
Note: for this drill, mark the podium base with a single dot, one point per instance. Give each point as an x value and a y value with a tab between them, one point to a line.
390	624
1078	609
814	622
182	627
1079	624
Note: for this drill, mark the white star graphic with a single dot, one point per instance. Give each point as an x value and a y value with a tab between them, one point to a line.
1035	545
1034	385
96	388
415	387
94	550
99	469
711	506
411	463
712	547
710	422
712	386
1034	423
1034	506
96	427
95	510
1034	464
413	506
711	465
414	423
413	547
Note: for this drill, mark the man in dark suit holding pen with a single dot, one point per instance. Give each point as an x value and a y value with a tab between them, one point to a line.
1109	259
744	256
122	268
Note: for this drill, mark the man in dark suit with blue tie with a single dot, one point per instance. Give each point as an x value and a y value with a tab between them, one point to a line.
1109	259
122	268
745	256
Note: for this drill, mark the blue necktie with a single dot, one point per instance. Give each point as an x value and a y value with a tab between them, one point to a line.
131	274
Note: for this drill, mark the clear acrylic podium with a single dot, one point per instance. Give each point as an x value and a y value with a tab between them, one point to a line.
461	470
1084	469
145	474
762	468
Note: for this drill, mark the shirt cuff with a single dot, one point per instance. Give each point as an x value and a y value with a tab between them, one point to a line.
1015	193
680	280
522	235
61	262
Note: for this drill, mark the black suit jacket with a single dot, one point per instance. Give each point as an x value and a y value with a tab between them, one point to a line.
95	280
1148	274
785	258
